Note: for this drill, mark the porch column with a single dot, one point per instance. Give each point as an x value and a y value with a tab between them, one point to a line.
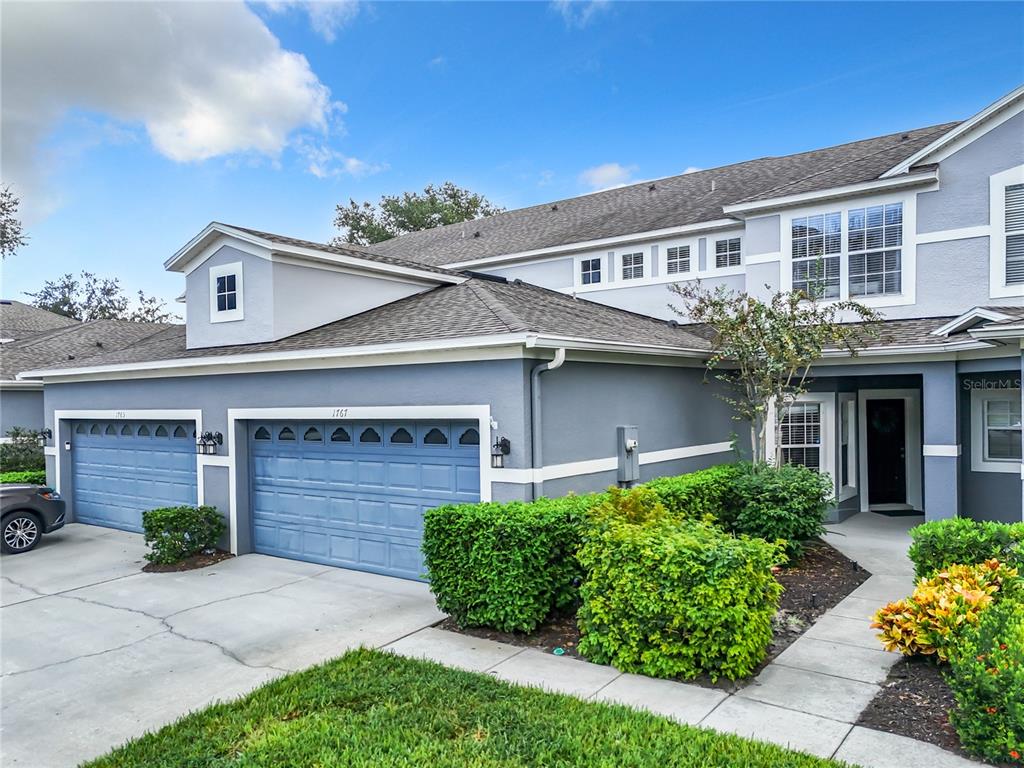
940	420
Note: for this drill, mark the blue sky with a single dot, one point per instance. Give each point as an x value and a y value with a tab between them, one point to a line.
523	102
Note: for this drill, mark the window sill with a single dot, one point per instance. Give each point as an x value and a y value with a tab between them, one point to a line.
999	467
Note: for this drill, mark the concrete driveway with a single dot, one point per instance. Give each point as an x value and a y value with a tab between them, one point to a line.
94	652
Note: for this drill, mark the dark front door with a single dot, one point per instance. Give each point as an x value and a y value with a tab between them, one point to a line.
887	451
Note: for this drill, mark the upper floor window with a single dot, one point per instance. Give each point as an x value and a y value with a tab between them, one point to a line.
874	239
1014	234
727	253
226	292
632	266
678	259
817	243
590	271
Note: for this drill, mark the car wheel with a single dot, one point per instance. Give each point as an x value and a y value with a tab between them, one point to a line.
21	532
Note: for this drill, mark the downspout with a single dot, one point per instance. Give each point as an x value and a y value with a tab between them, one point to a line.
537	459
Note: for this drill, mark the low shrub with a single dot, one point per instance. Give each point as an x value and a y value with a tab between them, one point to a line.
706	494
32	477
22	452
673	598
506	566
787	502
933	619
174	533
986	676
964	541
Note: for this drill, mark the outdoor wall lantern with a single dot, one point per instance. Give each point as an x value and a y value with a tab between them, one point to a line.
44	435
207	443
499	451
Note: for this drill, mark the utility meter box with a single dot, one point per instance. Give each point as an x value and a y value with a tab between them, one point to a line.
628	442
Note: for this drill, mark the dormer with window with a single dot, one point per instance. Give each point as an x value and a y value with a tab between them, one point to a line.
246	287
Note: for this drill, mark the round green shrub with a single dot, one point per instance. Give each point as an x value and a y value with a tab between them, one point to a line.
673	598
963	541
174	533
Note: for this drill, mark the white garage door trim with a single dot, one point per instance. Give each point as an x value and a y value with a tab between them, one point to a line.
478	413
60	419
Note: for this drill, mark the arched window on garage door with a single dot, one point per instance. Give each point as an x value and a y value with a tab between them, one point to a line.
435	436
469	437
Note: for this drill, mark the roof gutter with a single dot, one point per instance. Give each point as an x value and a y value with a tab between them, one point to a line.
536	443
742	210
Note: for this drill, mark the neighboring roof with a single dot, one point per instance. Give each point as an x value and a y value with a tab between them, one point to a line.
352	255
73	344
676	201
474	308
19	320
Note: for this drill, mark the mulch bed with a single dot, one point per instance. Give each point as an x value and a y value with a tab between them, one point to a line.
821	579
913	702
201	560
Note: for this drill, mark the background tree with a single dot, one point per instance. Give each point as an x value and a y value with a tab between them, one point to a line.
366	223
763	351
11	235
88	297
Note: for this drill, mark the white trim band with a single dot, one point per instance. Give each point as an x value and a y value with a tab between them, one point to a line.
951	451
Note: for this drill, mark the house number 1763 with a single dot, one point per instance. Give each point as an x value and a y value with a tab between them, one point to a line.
339	413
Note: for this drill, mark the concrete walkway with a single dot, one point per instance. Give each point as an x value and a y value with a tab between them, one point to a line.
807	699
95	652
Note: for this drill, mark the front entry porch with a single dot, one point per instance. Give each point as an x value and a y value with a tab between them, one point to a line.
940	439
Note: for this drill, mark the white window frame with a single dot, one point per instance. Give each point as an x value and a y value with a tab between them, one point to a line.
998	289
908	254
644	265
227	315
600	270
829	442
847	408
979	445
713	252
694	246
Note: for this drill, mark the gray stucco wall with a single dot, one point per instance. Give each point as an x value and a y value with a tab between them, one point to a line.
257	296
763	235
554	273
963	199
654	299
20	408
985	495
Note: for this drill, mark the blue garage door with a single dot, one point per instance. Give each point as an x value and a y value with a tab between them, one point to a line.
353	494
122	468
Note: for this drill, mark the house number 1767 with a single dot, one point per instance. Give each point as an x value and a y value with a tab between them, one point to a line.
339	413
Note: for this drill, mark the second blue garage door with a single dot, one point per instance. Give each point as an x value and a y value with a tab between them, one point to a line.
119	469
353	494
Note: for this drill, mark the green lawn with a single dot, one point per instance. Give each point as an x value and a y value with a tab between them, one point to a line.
372	709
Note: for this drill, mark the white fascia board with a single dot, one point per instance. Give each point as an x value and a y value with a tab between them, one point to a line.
604	242
1015	331
22	385
256	358
577	343
197	250
978	313
930	176
963	130
909	349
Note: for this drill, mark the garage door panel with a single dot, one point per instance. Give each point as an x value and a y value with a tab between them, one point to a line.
358	503
118	474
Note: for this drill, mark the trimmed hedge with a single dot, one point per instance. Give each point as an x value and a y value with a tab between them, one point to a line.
174	533
987	679
669	597
31	477
787	502
22	453
699	495
506	566
963	541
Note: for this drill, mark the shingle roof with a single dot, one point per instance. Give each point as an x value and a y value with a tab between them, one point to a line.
73	344
355	251
690	198
19	320
476	307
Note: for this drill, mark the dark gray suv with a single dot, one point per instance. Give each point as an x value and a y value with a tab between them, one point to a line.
26	513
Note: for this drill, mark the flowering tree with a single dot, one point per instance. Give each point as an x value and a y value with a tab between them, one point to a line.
763	350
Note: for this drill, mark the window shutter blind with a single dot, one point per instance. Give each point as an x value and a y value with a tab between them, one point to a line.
1015	234
1015	208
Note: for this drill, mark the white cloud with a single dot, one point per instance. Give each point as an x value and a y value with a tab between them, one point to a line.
325	162
607	176
326	17
579	13
692	169
202	79
438	62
